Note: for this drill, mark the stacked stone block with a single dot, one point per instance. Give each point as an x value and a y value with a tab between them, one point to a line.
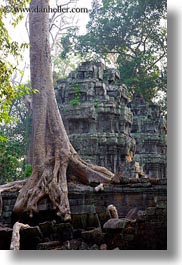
106	128
149	131
93	104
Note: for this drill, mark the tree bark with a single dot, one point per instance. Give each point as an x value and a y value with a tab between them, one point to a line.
52	150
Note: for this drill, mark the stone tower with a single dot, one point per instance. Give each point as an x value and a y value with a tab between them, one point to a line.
106	128
149	131
93	104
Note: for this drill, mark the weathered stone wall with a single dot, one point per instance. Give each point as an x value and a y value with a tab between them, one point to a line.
147	231
85	200
149	130
144	205
98	118
93	104
106	128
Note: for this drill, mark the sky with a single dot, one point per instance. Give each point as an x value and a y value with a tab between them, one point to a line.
20	35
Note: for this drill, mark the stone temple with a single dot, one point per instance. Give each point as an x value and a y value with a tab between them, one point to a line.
129	138
149	131
106	128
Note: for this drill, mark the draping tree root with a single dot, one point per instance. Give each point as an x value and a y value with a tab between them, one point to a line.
15	239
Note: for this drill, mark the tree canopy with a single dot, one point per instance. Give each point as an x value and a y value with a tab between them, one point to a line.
10	52
132	34
13	113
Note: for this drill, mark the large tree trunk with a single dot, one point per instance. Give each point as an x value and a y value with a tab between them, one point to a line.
52	150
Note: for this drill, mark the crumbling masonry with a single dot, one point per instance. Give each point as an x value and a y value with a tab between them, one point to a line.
106	128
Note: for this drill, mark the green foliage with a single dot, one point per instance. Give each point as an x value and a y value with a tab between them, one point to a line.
63	66
96	104
14	142
11	161
11	51
77	94
131	33
75	102
27	170
14	118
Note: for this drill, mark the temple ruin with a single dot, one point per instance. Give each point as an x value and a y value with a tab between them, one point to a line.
106	128
129	138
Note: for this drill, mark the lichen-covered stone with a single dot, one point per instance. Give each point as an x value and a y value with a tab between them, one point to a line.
149	131
109	130
93	104
147	231
116	223
93	236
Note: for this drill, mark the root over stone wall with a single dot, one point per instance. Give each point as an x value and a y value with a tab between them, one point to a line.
142	222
